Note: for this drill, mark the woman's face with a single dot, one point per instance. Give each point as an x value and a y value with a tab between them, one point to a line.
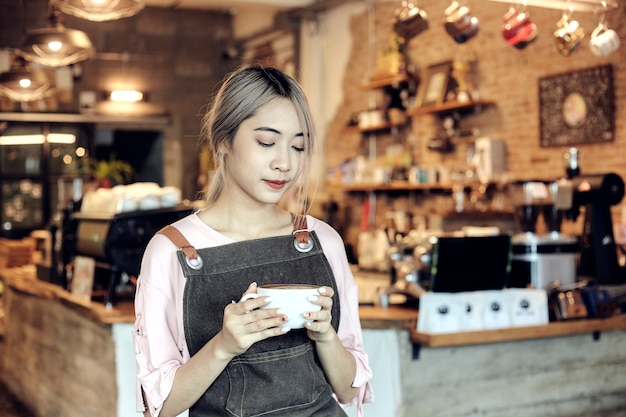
266	155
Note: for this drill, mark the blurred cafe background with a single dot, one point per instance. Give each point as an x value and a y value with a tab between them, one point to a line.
472	155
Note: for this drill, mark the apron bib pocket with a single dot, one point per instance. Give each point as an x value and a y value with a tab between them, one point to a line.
260	381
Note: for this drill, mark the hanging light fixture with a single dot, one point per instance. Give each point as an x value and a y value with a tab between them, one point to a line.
56	45
99	10
21	83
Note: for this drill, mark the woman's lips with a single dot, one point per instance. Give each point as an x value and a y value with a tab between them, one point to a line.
277	185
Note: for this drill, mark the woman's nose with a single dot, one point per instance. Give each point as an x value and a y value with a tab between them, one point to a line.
281	162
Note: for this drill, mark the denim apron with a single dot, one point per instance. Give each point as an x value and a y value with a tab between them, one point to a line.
279	376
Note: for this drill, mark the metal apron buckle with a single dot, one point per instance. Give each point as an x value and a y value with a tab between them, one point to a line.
197	265
299	245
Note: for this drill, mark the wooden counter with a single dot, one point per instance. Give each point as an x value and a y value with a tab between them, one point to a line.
23	279
65	357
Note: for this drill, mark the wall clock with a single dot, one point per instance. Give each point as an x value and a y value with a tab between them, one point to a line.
577	107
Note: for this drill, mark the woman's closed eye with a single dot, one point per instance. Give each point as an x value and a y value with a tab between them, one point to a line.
270	144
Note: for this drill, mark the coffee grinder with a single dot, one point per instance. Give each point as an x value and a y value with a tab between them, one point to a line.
598	251
541	258
596	193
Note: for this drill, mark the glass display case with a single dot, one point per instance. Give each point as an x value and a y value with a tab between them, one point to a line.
37	161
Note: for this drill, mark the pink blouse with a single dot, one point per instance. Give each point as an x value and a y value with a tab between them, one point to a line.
160	347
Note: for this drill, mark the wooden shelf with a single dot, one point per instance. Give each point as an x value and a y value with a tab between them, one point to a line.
489	214
555	329
390	81
84	118
376	128
394	186
450	107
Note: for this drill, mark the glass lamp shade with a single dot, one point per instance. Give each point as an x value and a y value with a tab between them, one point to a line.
56	46
22	84
99	10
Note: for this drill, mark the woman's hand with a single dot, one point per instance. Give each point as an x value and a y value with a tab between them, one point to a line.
339	364
318	324
245	323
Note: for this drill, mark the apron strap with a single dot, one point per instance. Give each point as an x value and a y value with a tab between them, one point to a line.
302	242
180	241
301	233
300	230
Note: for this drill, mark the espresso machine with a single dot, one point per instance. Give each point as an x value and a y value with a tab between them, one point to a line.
542	259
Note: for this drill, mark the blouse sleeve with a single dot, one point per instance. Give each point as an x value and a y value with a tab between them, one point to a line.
349	331
159	356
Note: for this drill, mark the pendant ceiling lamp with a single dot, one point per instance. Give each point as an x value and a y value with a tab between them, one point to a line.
99	10
56	45
21	83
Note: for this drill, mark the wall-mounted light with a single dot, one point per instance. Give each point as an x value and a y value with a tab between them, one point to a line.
99	10
126	96
64	138
56	45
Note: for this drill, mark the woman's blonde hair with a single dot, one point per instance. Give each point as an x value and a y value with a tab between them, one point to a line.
240	95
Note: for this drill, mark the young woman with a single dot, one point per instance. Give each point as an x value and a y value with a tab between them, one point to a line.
198	346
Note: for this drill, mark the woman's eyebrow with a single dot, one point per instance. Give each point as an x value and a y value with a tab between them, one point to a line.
266	129
272	130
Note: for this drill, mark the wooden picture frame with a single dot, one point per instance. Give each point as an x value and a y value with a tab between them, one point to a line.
577	107
434	86
82	281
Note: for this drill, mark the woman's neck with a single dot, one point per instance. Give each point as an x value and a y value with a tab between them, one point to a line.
244	224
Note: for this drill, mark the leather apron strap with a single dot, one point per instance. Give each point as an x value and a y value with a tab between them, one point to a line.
300	230
180	241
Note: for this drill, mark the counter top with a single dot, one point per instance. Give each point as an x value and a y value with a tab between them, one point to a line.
553	329
23	279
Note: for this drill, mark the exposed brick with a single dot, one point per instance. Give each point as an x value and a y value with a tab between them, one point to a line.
505	75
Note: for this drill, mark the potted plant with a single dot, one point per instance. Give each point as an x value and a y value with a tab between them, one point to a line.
108	173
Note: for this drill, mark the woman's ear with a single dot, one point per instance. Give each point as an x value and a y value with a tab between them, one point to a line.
223	148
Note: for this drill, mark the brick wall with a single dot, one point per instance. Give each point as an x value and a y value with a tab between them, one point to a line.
504	74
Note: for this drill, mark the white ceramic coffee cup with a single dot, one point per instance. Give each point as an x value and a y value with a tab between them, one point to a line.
603	41
292	299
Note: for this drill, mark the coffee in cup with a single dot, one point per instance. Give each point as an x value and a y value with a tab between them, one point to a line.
292	299
568	35
603	41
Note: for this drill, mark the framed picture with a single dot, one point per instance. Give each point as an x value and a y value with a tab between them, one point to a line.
82	281
577	107
434	85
